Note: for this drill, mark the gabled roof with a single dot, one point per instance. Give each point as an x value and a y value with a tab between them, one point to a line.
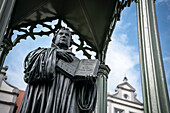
126	86
125	89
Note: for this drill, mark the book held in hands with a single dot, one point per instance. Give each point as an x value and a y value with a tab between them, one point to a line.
79	69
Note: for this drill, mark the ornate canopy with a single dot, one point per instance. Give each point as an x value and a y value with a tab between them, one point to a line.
92	20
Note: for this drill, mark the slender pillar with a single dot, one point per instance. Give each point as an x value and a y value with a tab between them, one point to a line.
101	106
5	47
155	93
6	8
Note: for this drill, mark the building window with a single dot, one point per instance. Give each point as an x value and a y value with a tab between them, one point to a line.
118	110
126	96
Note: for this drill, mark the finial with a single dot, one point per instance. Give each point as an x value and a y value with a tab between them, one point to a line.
125	79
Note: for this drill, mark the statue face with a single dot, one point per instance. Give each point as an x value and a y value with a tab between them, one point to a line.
63	38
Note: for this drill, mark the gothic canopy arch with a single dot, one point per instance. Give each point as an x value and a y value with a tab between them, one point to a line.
93	20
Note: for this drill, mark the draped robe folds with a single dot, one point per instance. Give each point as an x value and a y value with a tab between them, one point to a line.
50	91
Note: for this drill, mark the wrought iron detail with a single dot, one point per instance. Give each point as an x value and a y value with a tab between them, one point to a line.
119	6
118	9
84	47
29	30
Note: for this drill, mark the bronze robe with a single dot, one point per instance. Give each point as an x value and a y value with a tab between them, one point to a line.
50	91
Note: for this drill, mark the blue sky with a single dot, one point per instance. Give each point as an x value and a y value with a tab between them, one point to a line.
122	56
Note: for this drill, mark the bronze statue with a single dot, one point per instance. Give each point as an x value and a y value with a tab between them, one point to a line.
51	91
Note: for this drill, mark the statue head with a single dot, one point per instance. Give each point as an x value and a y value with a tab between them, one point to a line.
62	38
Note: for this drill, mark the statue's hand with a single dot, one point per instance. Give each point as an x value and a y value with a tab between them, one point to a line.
65	56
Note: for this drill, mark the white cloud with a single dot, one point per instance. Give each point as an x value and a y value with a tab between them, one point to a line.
16	79
121	25
123	59
15	59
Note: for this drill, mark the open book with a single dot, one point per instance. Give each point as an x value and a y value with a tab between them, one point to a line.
79	69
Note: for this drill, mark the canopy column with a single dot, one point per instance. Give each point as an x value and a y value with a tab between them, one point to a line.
6	8
101	106
5	47
154	85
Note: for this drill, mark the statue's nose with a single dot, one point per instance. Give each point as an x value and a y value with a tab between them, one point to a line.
64	36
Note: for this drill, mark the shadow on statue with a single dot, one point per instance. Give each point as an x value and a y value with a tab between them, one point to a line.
50	90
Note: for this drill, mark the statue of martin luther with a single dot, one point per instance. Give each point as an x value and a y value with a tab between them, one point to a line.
51	91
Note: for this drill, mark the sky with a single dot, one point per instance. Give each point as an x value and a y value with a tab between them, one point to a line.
122	55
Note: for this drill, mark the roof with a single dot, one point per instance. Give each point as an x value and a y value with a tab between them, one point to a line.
125	89
19	99
128	86
92	19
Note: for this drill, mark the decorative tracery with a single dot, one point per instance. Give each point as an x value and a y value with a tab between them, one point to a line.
117	13
48	26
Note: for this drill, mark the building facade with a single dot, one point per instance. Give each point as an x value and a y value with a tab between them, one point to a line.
8	94
124	100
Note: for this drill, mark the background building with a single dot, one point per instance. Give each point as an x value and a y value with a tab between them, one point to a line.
124	100
8	94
